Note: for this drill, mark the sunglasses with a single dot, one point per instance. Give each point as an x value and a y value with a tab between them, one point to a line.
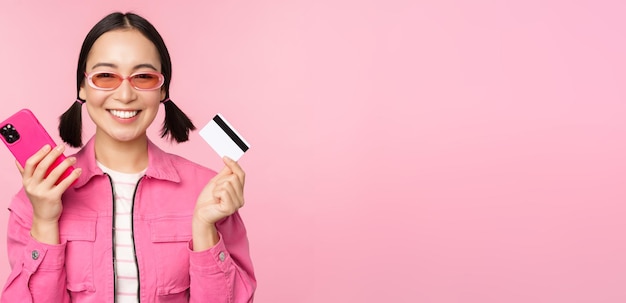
110	80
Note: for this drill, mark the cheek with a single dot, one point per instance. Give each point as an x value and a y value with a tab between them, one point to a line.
94	96
90	111
153	98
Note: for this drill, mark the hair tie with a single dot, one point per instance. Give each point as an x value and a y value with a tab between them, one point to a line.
80	101
166	100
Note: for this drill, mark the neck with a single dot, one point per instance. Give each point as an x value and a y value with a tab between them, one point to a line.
125	157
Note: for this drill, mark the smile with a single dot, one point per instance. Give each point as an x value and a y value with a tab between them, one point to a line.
124	114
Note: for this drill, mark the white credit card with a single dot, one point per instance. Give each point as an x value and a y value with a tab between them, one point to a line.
223	138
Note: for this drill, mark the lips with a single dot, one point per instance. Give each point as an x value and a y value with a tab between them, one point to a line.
124	114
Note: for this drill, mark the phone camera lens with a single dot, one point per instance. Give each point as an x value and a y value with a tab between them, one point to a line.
9	133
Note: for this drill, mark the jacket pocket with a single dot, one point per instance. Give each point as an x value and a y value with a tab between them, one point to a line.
170	238
80	233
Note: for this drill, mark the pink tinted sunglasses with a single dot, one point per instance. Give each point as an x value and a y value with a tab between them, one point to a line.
109	80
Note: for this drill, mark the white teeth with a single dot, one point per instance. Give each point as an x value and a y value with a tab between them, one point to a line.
124	114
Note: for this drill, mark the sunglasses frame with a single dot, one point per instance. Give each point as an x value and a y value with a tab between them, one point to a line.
93	85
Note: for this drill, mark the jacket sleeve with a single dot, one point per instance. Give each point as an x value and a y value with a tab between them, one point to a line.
224	272
37	269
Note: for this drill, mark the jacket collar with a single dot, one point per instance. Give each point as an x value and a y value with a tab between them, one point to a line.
160	165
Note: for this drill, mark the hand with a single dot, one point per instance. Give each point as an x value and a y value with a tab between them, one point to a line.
42	192
222	196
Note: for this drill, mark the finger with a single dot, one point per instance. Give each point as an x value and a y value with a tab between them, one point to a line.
19	167
59	170
234	193
235	168
224	172
237	187
231	205
69	180
45	165
33	161
222	193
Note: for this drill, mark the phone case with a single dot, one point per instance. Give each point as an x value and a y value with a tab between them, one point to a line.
24	136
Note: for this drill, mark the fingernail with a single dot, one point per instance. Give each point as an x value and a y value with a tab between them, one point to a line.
46	147
60	148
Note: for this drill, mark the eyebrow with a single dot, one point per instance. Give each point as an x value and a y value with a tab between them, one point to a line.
138	66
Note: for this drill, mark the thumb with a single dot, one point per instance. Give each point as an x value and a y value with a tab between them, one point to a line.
224	172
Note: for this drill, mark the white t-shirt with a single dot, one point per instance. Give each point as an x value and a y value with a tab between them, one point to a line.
126	279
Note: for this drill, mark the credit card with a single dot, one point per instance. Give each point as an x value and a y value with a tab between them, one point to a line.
224	138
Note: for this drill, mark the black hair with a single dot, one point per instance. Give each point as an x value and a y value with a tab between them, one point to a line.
176	124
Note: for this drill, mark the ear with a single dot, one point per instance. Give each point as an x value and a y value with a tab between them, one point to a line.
82	93
163	94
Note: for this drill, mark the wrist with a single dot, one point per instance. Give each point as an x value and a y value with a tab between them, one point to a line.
45	231
204	235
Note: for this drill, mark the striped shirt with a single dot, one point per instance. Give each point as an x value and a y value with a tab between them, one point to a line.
126	280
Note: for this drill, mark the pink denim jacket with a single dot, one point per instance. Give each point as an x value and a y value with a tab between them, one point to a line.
80	269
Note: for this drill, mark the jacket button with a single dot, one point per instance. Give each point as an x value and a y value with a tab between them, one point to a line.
222	256
35	255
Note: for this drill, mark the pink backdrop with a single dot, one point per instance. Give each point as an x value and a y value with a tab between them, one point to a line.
402	151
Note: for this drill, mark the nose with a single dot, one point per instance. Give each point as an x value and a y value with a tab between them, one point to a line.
125	92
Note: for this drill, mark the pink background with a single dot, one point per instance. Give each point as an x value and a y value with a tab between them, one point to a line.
402	151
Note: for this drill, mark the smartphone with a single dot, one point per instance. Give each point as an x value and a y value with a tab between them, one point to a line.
24	136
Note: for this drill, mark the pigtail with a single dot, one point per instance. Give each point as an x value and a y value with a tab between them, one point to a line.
176	124
71	125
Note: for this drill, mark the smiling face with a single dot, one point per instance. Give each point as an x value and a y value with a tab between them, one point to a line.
124	113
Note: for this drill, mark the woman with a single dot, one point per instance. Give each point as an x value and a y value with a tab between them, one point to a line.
131	223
